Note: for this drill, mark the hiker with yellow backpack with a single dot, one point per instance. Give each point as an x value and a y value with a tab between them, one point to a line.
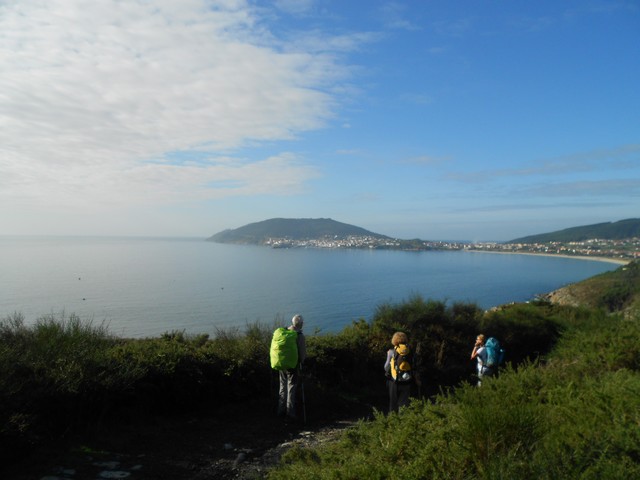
399	371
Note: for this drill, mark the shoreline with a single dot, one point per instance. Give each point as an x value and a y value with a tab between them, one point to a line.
619	261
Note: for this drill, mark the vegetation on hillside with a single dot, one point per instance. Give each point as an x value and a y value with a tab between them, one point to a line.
290	228
575	417
65	375
629	228
615	291
566	406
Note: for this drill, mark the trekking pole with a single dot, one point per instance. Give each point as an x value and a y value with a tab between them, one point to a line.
304	404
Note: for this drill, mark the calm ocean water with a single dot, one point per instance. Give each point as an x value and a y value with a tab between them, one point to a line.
146	286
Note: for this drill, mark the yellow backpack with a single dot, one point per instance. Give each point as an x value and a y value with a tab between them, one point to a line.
401	364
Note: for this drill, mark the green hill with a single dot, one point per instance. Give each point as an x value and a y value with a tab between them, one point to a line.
628	228
292	229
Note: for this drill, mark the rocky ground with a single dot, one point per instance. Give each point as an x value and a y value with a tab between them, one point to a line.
563	296
240	442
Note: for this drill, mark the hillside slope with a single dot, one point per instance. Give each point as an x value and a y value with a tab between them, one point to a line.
628	228
290	228
615	291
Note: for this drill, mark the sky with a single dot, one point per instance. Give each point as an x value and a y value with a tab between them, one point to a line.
439	120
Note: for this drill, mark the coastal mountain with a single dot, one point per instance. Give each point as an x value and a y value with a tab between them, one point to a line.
622	229
292	229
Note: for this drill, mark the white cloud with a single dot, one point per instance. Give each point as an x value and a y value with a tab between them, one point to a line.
93	94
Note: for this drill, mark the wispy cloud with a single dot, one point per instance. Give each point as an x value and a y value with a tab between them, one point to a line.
522	207
623	157
84	188
616	187
90	92
394	16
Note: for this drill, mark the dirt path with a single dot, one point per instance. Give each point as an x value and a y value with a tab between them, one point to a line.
237	443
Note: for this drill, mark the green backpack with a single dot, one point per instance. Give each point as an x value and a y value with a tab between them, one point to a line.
284	349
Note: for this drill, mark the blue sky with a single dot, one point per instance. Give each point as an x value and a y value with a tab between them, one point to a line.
441	120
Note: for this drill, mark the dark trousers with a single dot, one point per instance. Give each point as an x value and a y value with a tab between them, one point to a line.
398	395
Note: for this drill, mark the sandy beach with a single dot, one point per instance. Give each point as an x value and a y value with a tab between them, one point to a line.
619	261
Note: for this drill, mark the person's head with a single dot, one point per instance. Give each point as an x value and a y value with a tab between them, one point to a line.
398	338
480	339
297	321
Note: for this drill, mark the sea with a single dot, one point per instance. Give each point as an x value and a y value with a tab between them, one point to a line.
143	287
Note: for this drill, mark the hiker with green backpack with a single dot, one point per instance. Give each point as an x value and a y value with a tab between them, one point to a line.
288	351
489	355
399	371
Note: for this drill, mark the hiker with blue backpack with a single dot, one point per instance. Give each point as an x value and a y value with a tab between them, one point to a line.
399	372
489	355
288	351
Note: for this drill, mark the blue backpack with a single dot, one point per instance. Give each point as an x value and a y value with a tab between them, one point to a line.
495	353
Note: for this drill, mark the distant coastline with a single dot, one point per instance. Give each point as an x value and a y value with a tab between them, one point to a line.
617	242
619	261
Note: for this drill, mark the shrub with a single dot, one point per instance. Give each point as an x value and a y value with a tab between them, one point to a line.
575	417
43	370
64	374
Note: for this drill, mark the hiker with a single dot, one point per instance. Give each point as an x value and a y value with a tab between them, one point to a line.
487	367
289	378
479	353
398	371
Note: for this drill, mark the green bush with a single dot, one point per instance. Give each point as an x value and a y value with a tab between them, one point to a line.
43	373
616	297
573	416
591	428
64	374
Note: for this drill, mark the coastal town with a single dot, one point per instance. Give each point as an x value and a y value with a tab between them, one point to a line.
622	249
